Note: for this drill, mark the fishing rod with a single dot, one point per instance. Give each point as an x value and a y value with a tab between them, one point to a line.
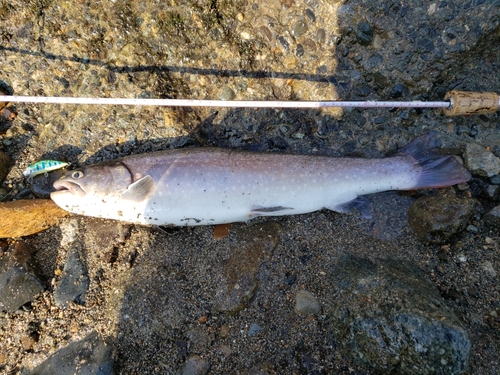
455	102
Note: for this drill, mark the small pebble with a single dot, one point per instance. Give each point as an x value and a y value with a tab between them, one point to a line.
300	28
306	303
364	33
472	229
488	268
226	94
397	91
310	15
362	91
300	50
224	331
226	350
254	329
290	278
321	36
27	342
283	42
290	61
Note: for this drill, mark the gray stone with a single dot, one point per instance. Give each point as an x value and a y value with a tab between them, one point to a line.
18	281
195	365
89	356
75	281
389	317
306	303
492	217
480	161
435	218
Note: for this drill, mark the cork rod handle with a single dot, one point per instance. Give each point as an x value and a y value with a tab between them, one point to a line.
471	103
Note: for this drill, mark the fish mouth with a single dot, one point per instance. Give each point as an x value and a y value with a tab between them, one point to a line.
68	187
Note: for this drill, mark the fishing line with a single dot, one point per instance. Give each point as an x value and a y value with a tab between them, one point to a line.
455	102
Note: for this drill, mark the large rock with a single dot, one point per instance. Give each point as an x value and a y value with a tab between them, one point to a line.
481	162
19	283
387	316
90	356
75	281
435	218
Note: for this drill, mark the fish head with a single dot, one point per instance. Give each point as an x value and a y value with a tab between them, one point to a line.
90	185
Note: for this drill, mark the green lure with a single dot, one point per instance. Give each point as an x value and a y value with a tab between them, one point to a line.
43	166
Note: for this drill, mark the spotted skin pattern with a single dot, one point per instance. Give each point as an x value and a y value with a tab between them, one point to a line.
205	186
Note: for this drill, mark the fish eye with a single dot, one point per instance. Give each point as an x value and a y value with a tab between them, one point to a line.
77	174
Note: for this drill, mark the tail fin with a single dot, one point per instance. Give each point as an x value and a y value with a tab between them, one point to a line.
436	170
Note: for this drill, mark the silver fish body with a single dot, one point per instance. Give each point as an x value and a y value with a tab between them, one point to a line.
204	186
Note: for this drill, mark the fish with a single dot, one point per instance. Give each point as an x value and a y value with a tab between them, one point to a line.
43	166
207	186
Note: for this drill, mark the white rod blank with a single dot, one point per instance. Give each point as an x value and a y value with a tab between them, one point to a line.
223	103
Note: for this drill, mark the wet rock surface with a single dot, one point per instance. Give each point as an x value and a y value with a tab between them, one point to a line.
388	316
19	278
153	292
435	218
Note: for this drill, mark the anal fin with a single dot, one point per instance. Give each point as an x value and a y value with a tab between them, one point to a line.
362	204
263	210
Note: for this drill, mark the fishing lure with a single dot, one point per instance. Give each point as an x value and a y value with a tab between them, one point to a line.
43	166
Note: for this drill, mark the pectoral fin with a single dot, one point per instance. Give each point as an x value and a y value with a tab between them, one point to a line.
140	189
